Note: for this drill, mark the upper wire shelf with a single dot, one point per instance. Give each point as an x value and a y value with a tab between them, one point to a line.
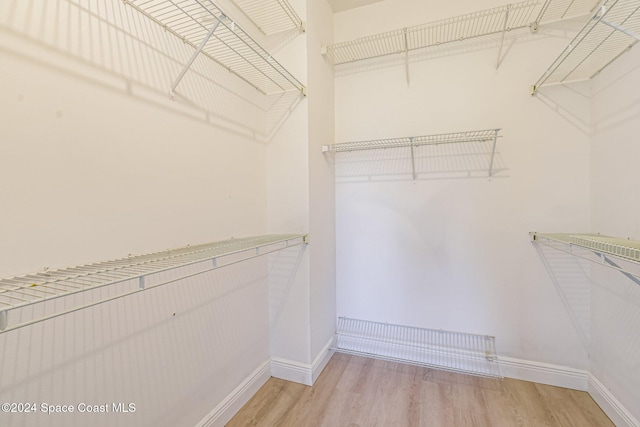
603	247
204	26
612	30
476	136
271	16
556	10
136	271
460	28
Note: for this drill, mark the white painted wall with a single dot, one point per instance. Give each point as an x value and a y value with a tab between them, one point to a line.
301	199
615	299
94	150
288	211
175	352
97	162
454	254
321	179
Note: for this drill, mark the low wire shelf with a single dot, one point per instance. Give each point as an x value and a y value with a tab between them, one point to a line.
450	351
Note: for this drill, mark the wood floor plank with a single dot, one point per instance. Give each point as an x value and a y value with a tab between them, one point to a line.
355	391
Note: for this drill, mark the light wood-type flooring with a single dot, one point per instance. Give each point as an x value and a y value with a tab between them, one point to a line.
361	392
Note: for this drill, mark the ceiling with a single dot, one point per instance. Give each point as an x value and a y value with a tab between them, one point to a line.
342	5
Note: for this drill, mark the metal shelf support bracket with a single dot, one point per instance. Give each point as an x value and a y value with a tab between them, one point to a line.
621	29
413	160
629	276
493	152
195	54
504	33
406	55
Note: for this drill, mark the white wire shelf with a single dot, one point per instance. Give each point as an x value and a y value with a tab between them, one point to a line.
612	30
29	290
453	30
271	16
603	247
449	351
477	136
204	26
557	10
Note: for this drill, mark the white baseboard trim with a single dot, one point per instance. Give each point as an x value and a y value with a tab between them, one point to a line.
303	373
225	410
610	405
290	370
322	359
544	373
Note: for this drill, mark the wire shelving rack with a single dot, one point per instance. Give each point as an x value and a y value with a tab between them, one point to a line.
557	10
127	276
596	248
444	350
271	16
453	30
477	136
207	28
611	31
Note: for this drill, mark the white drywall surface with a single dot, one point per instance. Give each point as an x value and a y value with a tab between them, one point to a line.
454	253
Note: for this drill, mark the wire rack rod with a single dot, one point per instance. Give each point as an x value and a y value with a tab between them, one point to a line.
603	247
23	291
271	16
229	45
445	350
596	45
556	10
457	29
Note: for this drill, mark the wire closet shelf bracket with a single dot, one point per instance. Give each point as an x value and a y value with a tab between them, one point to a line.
444	350
126	276
612	30
618	254
208	29
477	136
488	22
